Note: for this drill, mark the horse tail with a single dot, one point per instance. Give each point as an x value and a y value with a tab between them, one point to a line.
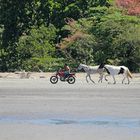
129	74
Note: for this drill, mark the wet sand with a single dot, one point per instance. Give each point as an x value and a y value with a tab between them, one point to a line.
33	109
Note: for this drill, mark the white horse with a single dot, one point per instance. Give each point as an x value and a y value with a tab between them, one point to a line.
92	70
116	70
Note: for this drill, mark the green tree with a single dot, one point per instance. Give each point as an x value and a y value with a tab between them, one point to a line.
37	50
81	51
127	46
117	41
17	17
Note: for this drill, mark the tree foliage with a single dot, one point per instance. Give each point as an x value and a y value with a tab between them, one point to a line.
35	34
37	50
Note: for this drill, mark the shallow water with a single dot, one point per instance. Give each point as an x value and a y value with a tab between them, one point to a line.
98	121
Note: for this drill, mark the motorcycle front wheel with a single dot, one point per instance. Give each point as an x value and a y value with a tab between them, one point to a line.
71	80
54	79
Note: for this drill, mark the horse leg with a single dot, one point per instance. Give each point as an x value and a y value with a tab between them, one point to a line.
100	71
87	77
100	78
106	76
128	79
123	79
91	79
114	79
125	76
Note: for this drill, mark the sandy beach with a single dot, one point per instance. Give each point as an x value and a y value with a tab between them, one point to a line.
31	108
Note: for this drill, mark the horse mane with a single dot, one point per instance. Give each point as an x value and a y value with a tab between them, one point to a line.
101	66
84	65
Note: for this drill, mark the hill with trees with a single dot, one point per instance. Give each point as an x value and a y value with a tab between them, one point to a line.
44	34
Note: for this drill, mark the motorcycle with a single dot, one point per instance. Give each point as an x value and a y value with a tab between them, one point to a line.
60	75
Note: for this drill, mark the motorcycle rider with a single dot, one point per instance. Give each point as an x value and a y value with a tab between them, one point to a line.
66	71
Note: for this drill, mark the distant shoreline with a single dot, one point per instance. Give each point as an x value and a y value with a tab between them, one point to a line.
36	75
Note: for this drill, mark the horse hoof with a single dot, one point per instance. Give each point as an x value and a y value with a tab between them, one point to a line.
126	83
